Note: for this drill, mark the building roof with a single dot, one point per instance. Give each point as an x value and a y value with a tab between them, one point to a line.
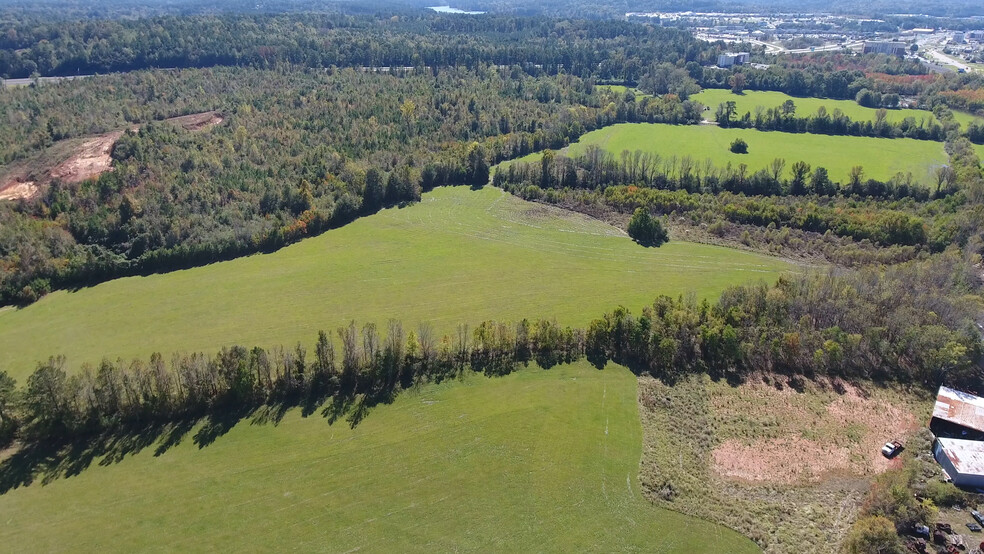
960	408
967	457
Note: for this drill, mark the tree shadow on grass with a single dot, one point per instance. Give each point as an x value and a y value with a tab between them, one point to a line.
47	461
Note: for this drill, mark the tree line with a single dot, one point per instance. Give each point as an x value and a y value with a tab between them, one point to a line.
598	169
905	324
783	118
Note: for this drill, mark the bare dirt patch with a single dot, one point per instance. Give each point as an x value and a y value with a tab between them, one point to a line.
786	460
17	190
778	435
91	160
197	121
78	159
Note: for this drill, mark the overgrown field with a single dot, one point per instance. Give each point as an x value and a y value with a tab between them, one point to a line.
881	158
459	256
787	466
748	100
544	458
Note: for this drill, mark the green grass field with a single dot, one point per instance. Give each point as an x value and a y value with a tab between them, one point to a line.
539	460
881	158
459	256
750	99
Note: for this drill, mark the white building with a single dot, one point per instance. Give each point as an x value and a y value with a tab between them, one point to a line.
962	460
729	59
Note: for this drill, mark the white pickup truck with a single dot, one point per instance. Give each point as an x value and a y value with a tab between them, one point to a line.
891	449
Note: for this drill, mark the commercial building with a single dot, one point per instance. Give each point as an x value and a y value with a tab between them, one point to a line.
891	48
729	59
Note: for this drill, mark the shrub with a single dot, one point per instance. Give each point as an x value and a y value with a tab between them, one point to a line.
646	229
739	146
874	535
945	494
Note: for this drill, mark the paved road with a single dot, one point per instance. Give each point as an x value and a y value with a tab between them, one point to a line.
947	60
25	82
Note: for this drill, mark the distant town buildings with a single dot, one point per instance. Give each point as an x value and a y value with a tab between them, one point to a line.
958	37
891	48
729	59
975	35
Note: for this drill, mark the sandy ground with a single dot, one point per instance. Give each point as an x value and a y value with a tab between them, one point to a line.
198	121
805	439
91	160
17	190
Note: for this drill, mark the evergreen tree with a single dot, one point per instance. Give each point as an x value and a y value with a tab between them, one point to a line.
646	229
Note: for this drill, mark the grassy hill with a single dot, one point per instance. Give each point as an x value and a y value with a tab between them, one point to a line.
542	460
881	158
458	256
750	99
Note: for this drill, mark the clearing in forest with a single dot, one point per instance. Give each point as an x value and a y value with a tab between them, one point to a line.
541	458
749	100
78	159
459	256
881	158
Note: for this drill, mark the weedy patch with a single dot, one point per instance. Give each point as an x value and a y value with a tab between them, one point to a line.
786	466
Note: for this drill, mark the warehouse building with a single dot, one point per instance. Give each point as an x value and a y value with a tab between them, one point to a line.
958	415
962	460
958	424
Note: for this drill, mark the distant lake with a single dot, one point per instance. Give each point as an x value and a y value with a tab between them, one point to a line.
449	9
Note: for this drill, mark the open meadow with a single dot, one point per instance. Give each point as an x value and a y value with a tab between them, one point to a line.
545	458
881	158
749	100
459	256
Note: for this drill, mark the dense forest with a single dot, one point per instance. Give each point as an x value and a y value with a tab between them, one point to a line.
608	49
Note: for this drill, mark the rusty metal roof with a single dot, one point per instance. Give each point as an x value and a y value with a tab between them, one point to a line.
967	457
960	408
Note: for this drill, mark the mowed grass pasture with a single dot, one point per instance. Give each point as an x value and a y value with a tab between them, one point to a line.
881	158
749	100
543	460
459	256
